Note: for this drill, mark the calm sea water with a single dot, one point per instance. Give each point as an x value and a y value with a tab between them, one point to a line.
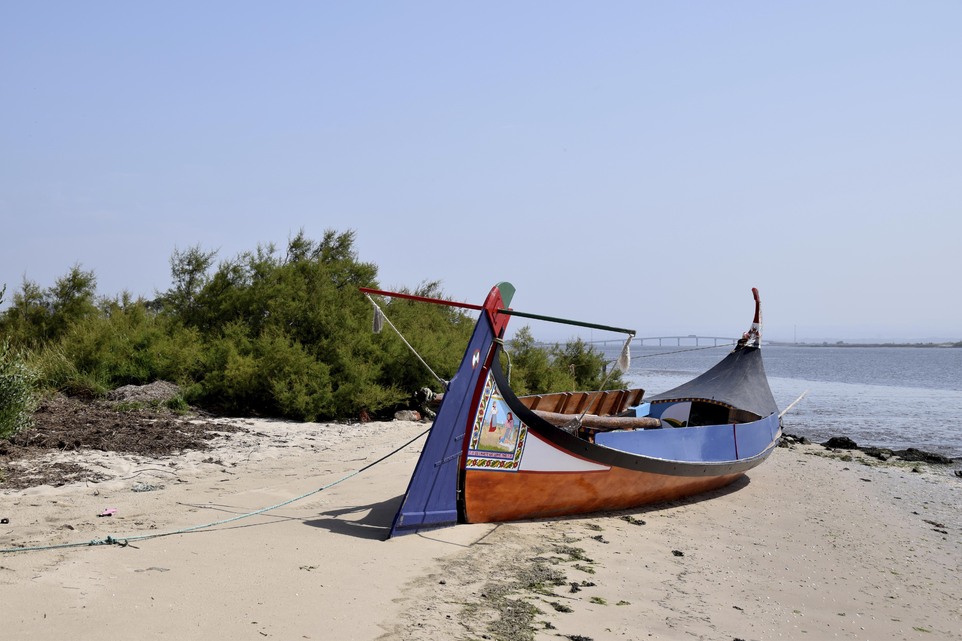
893	397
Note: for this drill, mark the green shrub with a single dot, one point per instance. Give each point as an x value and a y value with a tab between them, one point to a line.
440	334
40	315
177	404
267	375
575	366
532	369
587	365
299	385
268	332
128	344
55	371
125	343
16	392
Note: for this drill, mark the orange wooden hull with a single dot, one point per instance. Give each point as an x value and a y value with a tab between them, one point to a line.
498	496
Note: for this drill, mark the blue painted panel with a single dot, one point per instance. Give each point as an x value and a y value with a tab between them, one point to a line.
693	444
642	410
431	498
655	410
754	437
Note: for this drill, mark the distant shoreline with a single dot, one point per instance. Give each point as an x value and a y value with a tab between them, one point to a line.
844	344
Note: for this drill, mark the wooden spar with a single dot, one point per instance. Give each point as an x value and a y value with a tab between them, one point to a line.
603	422
421	299
509	312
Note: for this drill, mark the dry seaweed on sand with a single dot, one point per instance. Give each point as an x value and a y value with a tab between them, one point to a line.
62	423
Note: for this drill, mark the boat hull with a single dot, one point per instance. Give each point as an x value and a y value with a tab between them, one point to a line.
492	496
520	466
492	457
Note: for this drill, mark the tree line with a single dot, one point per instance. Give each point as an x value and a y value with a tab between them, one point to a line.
270	332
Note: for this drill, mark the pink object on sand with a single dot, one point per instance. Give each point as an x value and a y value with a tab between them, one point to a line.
108	512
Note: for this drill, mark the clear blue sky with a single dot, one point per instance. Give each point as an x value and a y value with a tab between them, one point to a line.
642	164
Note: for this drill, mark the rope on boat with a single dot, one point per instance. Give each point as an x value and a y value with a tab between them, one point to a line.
125	541
621	365
379	316
677	351
793	404
507	354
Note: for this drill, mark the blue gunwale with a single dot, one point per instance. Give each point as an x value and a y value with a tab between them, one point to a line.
627	460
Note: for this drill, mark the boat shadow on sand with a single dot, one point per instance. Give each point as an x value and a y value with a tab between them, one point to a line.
375	522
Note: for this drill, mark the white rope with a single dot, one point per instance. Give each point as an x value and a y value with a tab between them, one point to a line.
384	317
504	350
622	364
793	404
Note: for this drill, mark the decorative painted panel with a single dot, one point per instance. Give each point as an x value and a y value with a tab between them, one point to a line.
498	436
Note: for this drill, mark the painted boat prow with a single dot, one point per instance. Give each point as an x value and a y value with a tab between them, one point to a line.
431	499
491	456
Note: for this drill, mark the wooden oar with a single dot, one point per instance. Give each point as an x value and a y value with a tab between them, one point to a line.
601	422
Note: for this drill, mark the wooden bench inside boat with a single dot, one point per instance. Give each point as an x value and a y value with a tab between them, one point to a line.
602	403
591	412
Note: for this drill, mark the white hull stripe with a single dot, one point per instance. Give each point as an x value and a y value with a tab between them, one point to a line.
540	456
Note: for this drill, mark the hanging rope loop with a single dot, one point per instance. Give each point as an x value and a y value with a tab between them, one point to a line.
380	316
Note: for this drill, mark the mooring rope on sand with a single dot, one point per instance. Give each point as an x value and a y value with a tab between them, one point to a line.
125	541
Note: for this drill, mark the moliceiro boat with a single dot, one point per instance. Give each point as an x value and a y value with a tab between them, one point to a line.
494	456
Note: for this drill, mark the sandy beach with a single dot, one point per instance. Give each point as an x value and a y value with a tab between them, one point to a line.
813	544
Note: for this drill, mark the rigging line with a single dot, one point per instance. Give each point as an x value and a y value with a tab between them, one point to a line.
507	354
793	404
680	351
510	312
124	541
443	382
566	321
617	366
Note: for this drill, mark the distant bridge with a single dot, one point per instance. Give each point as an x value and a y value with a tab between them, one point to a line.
689	339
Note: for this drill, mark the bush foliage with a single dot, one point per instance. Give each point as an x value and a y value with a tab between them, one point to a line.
268	332
16	392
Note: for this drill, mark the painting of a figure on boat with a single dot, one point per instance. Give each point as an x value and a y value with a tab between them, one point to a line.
497	439
501	433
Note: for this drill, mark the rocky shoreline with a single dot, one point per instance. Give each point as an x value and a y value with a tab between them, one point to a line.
909	455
